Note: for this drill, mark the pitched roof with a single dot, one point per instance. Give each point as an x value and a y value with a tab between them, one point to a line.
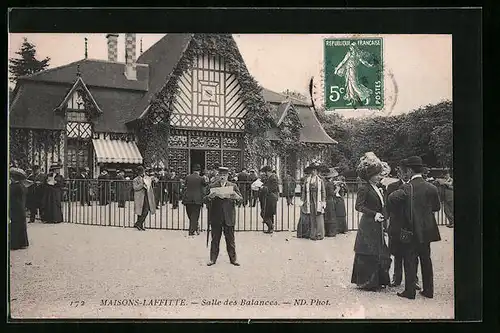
79	83
312	130
274	97
123	100
161	59
34	104
95	73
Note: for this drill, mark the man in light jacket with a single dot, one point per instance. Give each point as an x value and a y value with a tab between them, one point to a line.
144	199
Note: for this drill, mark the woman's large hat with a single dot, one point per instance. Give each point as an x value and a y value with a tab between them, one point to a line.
414	161
266	168
332	173
312	166
369	166
18	172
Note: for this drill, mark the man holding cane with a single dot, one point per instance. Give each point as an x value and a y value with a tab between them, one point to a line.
222	215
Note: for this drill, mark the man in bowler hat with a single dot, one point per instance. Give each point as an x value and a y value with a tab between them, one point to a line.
222	216
396	220
420	200
193	197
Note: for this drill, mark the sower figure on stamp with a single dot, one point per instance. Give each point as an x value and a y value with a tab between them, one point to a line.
420	200
222	216
271	195
193	197
144	199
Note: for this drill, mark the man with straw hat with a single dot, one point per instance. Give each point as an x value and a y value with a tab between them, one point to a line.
17	210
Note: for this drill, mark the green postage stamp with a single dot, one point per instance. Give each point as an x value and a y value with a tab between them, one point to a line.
354	73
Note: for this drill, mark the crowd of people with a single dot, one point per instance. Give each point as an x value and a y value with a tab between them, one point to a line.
403	211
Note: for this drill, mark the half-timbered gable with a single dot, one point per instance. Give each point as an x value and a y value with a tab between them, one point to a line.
209	97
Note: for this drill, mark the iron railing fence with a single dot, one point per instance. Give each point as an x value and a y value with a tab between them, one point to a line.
111	203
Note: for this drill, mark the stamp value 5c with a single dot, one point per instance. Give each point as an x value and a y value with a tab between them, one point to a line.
354	73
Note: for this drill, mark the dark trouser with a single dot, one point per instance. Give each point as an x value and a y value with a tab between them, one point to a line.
157	192
230	244
174	199
255	195
269	222
193	212
145	211
448	211
84	197
289	200
121	202
413	252
398	269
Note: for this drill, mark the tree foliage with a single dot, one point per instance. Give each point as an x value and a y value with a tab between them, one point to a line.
27	63
426	132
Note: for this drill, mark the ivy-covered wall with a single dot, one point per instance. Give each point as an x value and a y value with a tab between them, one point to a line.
154	135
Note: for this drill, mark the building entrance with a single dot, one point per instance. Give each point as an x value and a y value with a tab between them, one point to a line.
197	157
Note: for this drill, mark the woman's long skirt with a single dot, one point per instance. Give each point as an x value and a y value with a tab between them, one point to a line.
340	215
52	205
370	272
18	235
330	219
303	228
317	222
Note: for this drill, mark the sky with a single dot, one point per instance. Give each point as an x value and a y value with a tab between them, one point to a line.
420	65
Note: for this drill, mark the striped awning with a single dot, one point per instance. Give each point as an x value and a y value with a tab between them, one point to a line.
116	151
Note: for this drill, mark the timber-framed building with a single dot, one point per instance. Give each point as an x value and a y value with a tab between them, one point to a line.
93	113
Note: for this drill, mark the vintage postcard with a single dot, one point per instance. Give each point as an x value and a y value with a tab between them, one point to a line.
332	140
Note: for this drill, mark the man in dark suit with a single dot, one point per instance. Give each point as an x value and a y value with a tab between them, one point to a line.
121	189
254	194
396	220
420	200
222	216
174	189
270	191
244	185
193	198
289	186
83	186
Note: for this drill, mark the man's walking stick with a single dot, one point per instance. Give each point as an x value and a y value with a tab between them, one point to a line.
208	220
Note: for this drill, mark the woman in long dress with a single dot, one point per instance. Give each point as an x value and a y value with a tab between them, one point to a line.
303	227
330	218
340	210
372	258
314	203
17	203
54	183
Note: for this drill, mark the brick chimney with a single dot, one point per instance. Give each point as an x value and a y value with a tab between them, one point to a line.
112	47
130	64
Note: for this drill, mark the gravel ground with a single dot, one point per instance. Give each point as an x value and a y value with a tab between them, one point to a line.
68	263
